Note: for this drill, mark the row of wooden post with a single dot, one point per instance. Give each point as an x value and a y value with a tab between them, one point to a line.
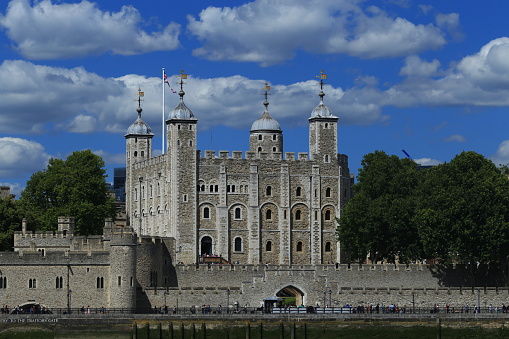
171	335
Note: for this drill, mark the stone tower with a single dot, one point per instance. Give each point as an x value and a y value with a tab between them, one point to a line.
138	148
181	179
323	150
266	135
123	243
323	131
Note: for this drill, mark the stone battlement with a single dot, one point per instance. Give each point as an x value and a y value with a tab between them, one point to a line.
317	268
58	258
237	155
150	162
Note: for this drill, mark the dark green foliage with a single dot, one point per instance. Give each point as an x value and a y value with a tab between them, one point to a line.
10	221
463	213
74	187
377	220
455	212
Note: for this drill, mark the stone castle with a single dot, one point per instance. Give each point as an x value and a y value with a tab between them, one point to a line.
270	220
260	208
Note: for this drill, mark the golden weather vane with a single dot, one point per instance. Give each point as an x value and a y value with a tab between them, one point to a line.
139	95
322	77
182	76
266	90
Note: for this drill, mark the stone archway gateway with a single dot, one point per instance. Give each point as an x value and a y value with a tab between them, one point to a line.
206	246
292	292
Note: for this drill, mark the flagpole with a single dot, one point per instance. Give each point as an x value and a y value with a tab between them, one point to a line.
163	114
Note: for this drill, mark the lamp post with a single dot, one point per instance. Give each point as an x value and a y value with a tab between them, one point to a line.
165	308
70	302
324	298
228	301
330	298
478	301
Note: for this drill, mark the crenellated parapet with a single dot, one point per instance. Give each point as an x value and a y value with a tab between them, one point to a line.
249	155
147	163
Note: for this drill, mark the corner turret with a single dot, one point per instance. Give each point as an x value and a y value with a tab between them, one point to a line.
266	135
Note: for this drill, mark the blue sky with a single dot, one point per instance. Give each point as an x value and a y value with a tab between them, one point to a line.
430	77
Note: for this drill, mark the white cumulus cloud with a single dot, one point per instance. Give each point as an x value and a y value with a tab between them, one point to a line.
57	31
428	162
269	32
501	157
20	157
455	138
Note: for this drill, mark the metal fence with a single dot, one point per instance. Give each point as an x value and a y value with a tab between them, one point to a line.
224	311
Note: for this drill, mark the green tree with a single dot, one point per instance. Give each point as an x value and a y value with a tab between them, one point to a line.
377	220
10	221
463	211
74	187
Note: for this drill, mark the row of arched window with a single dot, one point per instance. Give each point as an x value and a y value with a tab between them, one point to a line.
298	191
237	214
274	137
150	191
299	247
244	189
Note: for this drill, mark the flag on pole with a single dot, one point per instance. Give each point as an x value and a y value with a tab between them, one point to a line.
167	82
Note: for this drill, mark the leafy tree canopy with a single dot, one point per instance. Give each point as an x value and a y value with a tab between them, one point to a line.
377	220
455	212
463	212
10	221
72	187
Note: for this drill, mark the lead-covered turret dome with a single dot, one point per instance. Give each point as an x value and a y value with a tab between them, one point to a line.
139	127
266	122
181	111
322	111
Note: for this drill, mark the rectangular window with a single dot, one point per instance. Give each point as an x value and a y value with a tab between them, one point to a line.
119	281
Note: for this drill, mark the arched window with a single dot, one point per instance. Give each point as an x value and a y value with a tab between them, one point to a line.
327	192
260	137
3	282
268	246
273	149
135	153
151	191
206	213
326	159
238	213
158	189
233	188
327	215
299	246
142	153
327	246
203	188
59	282
268	191
274	137
259	149
297	215
143	192
268	214
135	194
238	245
216	188
100	282
299	191
326	125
